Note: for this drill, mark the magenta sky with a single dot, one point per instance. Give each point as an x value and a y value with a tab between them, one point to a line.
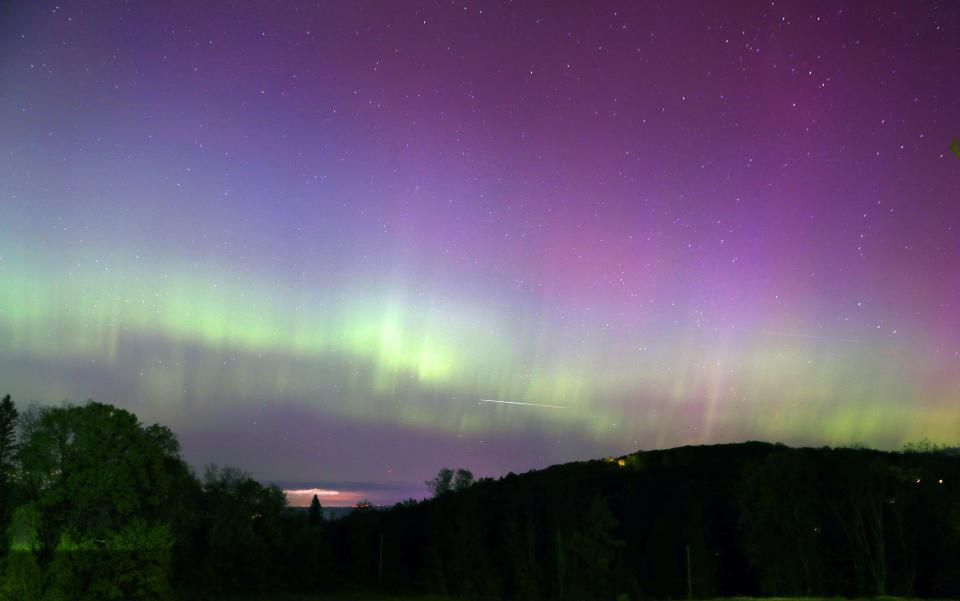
312	237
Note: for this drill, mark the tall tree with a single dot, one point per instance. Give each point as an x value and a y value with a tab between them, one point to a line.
243	527
106	491
780	523
442	483
92	469
463	479
868	507
448	480
316	511
8	431
594	549
8	436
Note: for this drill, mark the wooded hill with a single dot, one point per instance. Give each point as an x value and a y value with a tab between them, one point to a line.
96	505
737	519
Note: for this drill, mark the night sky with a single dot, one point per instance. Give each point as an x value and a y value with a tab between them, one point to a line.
316	238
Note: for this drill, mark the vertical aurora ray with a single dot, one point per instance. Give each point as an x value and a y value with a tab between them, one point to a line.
250	342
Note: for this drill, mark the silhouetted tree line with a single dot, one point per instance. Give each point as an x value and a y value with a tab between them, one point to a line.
744	519
96	505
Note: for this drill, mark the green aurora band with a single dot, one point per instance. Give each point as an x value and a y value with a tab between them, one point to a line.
177	336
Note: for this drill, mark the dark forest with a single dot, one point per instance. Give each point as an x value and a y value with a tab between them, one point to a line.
98	506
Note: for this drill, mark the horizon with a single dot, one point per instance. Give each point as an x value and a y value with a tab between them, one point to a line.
344	246
300	494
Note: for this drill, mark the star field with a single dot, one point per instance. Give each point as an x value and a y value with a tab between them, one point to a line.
313	238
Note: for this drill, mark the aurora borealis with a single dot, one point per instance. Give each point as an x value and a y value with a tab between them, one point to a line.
312	237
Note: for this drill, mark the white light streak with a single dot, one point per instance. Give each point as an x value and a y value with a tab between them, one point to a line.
524	404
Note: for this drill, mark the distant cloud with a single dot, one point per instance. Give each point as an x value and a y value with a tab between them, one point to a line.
346	494
312	491
301	497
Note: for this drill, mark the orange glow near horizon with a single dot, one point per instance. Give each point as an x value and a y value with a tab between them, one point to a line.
301	497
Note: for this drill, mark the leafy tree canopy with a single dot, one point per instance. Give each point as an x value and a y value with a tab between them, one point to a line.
448	480
92	469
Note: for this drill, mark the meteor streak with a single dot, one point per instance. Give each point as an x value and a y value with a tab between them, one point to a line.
519	403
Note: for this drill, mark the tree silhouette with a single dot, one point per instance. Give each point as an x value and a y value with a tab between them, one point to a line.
8	431
463	479
316	511
449	480
242	527
92	469
106	509
594	548
442	483
779	521
105	495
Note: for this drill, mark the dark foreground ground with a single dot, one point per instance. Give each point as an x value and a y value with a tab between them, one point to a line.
357	596
340	597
